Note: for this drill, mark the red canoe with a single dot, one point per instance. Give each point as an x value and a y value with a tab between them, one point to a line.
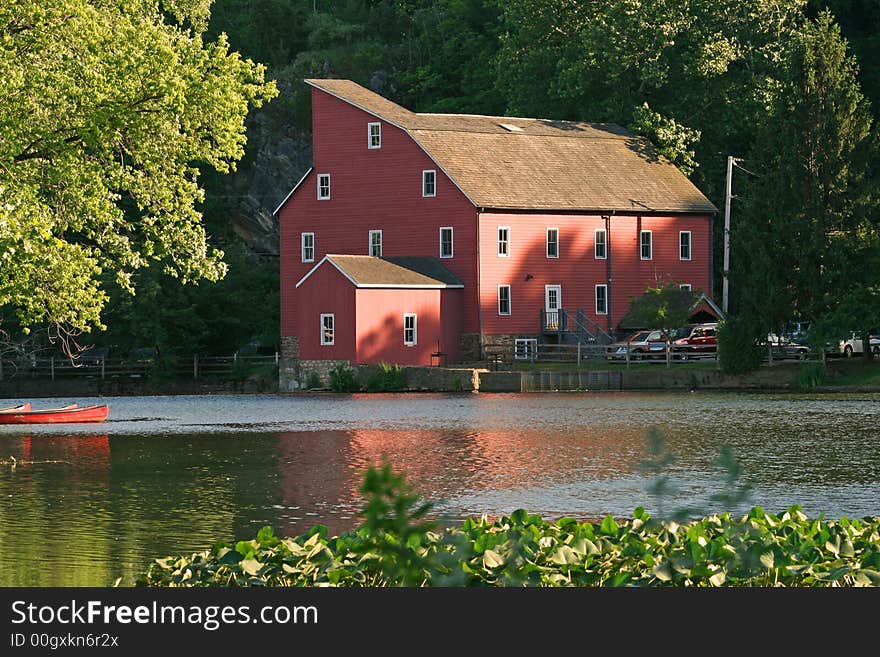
17	409
72	413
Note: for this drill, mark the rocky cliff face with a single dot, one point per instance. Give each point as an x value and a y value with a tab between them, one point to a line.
278	154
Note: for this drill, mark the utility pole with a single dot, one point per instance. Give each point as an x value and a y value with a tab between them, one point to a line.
727	198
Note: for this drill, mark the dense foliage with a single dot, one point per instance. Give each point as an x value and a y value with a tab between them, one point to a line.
397	546
109	110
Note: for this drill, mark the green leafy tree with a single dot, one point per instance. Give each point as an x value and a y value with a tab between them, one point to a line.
808	240
666	307
110	108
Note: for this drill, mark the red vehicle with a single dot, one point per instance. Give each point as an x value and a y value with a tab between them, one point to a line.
695	339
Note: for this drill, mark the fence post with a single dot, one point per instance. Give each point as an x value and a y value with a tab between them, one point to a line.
102	368
276	359
1	369
195	366
579	353
52	368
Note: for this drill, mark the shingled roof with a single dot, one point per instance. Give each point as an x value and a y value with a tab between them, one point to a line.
511	163
390	272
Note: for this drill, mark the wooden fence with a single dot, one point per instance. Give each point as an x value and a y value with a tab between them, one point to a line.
217	368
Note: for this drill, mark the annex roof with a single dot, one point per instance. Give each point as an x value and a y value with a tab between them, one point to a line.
538	164
390	272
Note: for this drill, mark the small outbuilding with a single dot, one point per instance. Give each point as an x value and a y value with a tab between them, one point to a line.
368	309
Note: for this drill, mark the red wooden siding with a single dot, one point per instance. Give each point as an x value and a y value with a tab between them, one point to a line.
372	189
631	274
527	269
326	291
380	325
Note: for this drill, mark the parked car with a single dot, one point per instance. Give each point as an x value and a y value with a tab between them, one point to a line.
695	339
853	344
637	344
657	345
783	346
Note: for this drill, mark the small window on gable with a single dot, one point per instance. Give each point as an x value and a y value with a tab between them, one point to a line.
308	247
429	183
328	329
645	245
323	186
503	299
409	329
552	242
376	243
684	245
446	242
503	241
601	245
374	135
601	299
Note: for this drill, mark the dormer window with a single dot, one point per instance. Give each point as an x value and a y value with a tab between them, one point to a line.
323	186
374	135
429	183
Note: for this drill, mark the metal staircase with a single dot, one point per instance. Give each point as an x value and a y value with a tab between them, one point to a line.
572	327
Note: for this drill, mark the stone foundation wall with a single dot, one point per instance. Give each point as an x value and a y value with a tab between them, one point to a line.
503	345
441	379
288	364
320	367
469	348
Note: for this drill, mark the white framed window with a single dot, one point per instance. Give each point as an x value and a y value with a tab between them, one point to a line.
307	241
410	336
601	251
685	286
376	243
684	245
601	299
552	242
323	186
429	183
503	241
525	348
446	242
374	135
503	299
645	245
328	329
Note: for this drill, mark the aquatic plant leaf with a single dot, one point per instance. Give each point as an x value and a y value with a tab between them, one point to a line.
718	578
251	566
663	571
492	559
609	526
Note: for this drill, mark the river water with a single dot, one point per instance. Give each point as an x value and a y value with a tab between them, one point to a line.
172	475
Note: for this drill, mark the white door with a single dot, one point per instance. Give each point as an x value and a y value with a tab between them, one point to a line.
552	305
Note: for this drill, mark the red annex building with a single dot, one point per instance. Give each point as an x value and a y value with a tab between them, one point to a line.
414	234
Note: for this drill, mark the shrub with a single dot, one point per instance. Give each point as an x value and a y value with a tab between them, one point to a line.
342	379
738	348
313	381
385	378
810	375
